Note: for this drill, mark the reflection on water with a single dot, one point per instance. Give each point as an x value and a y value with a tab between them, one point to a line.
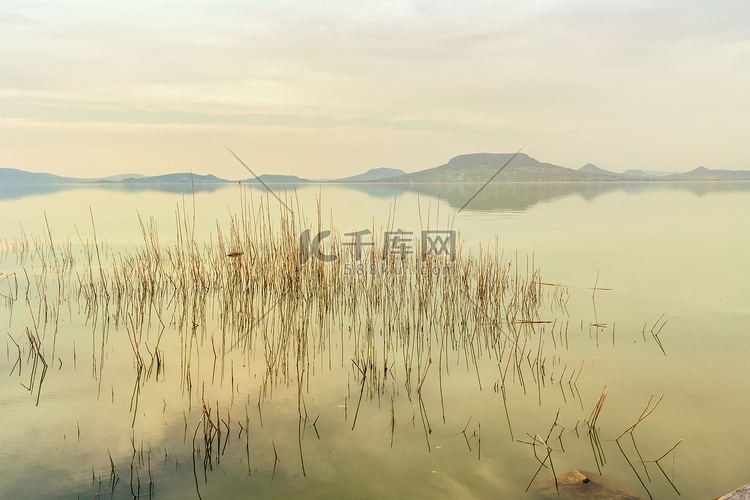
494	197
9	191
519	197
197	355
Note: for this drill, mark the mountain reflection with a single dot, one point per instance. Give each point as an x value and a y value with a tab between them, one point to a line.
10	191
494	197
520	196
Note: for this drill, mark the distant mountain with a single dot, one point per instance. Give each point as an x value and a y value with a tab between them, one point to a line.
13	176
182	178
374	174
278	179
645	174
119	177
593	169
476	167
706	174
480	167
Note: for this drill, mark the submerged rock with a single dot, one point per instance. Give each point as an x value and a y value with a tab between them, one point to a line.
741	493
584	485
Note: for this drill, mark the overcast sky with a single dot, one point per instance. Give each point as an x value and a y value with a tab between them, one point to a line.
328	89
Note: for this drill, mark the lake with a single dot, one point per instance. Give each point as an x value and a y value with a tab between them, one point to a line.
169	343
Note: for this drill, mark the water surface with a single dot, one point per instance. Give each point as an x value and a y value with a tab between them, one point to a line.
663	257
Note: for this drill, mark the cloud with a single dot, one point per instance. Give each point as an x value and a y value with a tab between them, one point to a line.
583	80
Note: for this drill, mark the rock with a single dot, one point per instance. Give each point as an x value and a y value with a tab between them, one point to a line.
578	484
741	493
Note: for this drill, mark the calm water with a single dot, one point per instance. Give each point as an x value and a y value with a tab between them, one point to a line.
674	255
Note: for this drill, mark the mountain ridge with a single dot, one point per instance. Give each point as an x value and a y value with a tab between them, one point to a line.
706	174
593	169
374	174
508	167
472	167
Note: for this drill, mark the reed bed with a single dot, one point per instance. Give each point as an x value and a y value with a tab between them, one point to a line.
253	295
252	273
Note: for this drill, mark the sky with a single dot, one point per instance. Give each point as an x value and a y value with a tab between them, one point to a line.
331	89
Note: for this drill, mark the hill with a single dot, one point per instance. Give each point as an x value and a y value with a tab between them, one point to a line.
181	178
15	176
374	174
645	174
480	167
278	179
476	167
706	174
593	169
119	177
